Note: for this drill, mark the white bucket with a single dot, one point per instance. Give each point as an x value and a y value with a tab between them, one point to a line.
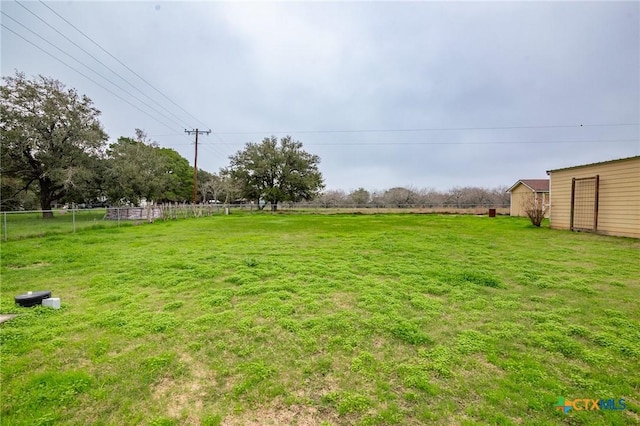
52	302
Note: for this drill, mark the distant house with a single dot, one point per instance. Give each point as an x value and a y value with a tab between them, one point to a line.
527	190
600	197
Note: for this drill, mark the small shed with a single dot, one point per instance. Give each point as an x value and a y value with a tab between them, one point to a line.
525	190
599	197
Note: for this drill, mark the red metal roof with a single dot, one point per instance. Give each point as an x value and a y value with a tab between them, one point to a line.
536	185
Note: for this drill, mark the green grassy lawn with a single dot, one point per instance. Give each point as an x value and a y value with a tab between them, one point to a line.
321	319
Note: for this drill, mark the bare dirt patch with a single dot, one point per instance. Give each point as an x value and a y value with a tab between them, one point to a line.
478	365
7	317
344	301
184	397
300	415
32	266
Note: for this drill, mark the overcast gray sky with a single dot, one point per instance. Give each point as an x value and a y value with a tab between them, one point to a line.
422	94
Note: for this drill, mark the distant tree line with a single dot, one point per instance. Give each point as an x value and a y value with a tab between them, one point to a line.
400	197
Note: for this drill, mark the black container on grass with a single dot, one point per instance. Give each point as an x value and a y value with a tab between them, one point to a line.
32	298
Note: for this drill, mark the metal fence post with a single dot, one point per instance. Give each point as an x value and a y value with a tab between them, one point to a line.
5	226
73	215
118	210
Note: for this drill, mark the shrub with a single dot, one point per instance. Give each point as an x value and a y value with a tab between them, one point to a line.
535	209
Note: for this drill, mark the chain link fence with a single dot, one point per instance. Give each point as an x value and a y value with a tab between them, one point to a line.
28	224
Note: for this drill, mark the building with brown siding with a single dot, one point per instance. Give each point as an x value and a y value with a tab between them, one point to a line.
600	197
525	191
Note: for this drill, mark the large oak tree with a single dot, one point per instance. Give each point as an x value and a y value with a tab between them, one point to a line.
51	138
275	172
138	169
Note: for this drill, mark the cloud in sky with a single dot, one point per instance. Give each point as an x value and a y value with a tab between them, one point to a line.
502	74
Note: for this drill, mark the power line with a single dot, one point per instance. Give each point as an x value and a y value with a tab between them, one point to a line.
430	129
85	76
365	143
121	63
215	150
130	70
91	69
179	134
300	131
471	143
179	121
218	149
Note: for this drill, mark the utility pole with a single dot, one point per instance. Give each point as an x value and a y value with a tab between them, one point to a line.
195	161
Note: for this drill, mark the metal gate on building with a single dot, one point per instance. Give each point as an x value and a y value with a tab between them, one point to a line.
584	203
